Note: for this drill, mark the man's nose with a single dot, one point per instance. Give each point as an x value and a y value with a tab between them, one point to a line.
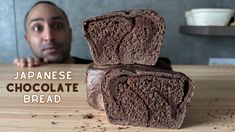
48	34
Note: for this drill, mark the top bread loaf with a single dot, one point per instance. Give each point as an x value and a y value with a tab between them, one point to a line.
125	37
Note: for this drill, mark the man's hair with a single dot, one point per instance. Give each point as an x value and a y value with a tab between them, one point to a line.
44	2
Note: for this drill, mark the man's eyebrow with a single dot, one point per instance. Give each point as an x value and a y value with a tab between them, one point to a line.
36	19
41	19
57	18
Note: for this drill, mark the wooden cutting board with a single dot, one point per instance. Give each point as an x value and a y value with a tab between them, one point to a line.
212	107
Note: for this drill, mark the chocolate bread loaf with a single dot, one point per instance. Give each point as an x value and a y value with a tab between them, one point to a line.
95	74
125	37
155	98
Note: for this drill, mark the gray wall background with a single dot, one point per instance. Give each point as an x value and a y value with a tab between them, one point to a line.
180	48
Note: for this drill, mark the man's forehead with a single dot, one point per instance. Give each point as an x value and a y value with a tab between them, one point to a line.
44	11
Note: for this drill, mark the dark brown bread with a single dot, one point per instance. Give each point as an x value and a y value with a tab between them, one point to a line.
146	98
125	37
95	74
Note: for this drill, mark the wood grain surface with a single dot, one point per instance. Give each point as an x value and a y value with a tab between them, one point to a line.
212	107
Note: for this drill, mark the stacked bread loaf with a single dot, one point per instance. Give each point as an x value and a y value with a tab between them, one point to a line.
128	79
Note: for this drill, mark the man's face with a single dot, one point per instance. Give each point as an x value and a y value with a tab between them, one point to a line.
48	33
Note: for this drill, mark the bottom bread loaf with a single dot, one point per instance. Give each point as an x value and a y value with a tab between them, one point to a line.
149	98
95	74
140	95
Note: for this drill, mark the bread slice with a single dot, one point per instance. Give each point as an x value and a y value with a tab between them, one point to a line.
154	98
125	37
95	74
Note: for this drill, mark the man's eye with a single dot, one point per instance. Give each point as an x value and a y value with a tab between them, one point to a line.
58	26
37	28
